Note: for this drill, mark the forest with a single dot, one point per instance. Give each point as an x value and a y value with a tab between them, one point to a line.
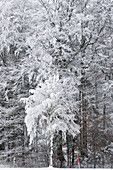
56	83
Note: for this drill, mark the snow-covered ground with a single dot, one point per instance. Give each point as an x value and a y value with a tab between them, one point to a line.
48	168
4	166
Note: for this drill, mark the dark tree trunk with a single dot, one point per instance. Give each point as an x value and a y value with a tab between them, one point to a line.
60	151
84	129
94	154
104	124
67	142
80	121
73	149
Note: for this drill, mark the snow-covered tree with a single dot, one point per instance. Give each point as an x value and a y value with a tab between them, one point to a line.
53	104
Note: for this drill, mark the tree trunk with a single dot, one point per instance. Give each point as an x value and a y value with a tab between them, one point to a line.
67	141
94	155
80	121
51	151
104	124
73	149
84	130
94	151
104	117
60	152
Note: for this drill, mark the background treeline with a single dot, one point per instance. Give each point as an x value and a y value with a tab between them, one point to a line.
77	36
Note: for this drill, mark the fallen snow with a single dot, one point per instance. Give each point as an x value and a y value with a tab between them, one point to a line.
48	168
38	168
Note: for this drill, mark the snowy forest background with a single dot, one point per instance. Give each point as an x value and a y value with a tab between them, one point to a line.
56	83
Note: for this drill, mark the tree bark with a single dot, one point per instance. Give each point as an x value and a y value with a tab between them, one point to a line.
60	152
104	124
84	131
73	149
67	142
51	151
94	154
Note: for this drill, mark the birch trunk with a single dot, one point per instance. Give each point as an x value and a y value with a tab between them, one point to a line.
51	151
